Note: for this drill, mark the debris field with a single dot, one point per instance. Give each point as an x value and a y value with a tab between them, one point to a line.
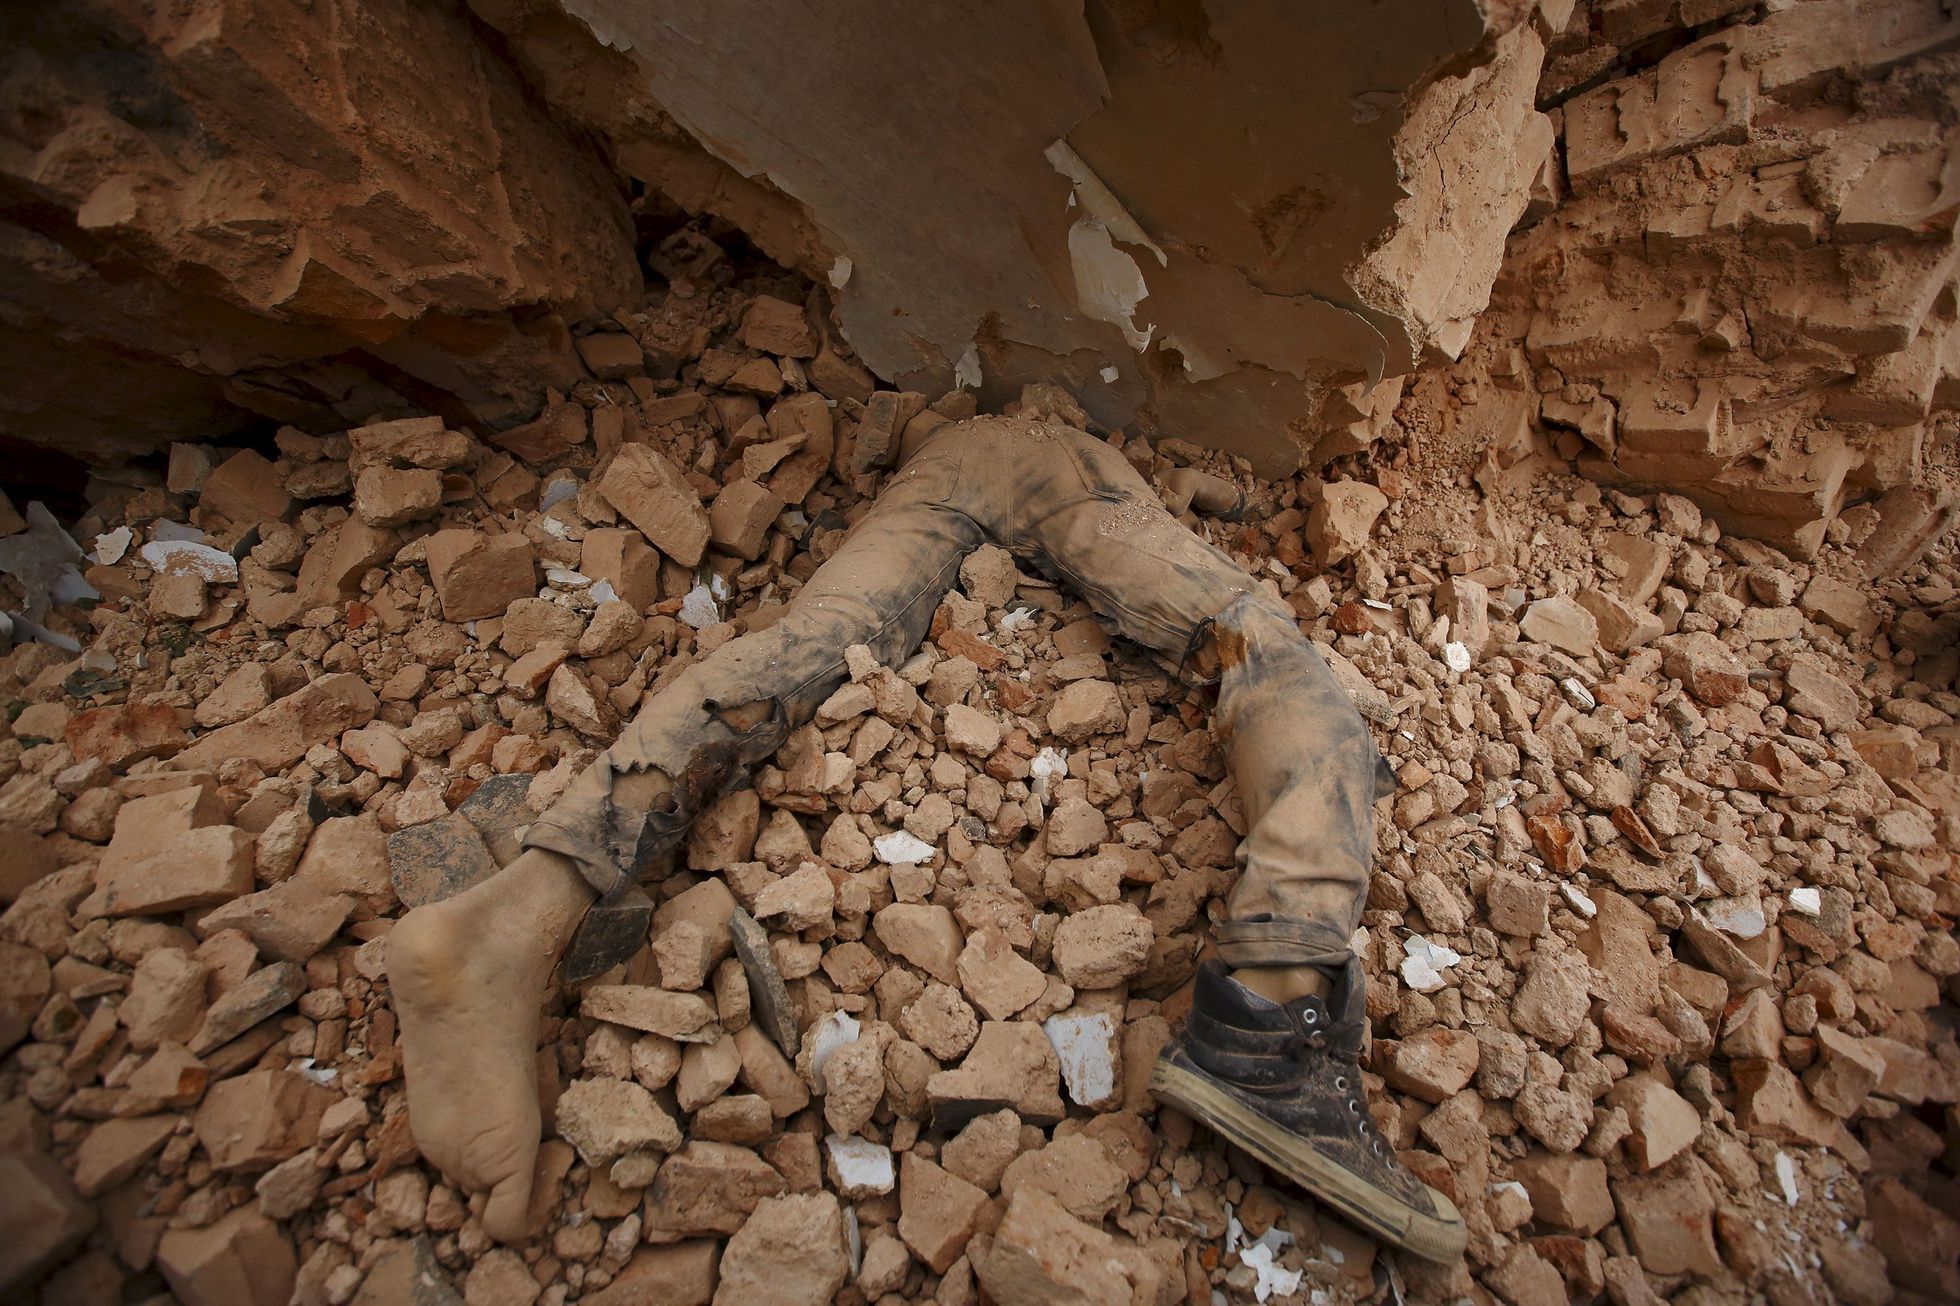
1659	943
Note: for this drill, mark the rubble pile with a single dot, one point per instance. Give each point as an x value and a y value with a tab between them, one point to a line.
1659	945
1734	280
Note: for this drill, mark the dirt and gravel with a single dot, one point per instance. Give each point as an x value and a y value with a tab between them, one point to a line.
1659	943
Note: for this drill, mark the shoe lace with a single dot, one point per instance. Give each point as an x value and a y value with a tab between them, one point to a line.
1313	1037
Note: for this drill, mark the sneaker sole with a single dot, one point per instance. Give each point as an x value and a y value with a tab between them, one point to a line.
1427	1236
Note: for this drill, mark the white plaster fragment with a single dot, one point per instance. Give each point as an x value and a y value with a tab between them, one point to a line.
901	848
1423	963
1456	657
1108	283
1272	1278
1086	1047
110	546
1741	917
1807	901
864	1168
1579	901
833	1032
840	272
698	608
215	565
1786	1178
966	372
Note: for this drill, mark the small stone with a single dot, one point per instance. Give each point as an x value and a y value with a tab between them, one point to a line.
1102	946
1041	1253
1084	709
859	1168
44	1217
649	491
1434	1064
1339	525
1089	1049
477	575
437	859
1554	999
740	518
937	1212
1010	1065
643	1007
1705	666
792	1251
1562	623
240	1260
1668	1216
997	979
606	1119
927	937
256	1120
262	993
1663	1123
1567	1190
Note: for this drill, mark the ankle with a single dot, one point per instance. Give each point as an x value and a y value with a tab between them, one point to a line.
1283	983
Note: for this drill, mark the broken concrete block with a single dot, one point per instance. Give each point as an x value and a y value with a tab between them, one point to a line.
1088	1044
1010	1065
707	1188
256	1120
395	496
196	868
1041	1254
623	559
1086	708
1102	946
610	355
776	326
288	922
244	489
649	491
242	1259
279	734
606	1119
937	1212
1562	623
478	575
995	978
791	1250
1705	667
740	518
126	733
927	937
642	1007
1340	523
44	1217
265	991
116	1149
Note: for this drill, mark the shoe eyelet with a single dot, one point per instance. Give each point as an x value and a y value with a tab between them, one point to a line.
1310	1016
1354	1108
1340	1084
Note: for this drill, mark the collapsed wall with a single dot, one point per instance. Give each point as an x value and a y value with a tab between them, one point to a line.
1747	293
1693	244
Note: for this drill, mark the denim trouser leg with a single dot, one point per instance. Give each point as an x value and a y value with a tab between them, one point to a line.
1302	759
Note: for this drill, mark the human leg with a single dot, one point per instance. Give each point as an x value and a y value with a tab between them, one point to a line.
469	974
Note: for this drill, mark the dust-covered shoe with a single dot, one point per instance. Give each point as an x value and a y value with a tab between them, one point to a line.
1284	1083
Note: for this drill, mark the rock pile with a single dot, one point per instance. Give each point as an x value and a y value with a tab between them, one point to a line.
1661	969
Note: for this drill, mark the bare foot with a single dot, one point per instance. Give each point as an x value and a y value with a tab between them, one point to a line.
469	976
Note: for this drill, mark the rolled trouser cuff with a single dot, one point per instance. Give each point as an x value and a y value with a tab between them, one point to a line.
1267	940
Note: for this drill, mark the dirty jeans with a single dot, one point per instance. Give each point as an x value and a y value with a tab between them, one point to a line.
1303	762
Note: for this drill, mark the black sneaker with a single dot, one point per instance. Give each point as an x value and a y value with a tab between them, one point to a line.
1284	1083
